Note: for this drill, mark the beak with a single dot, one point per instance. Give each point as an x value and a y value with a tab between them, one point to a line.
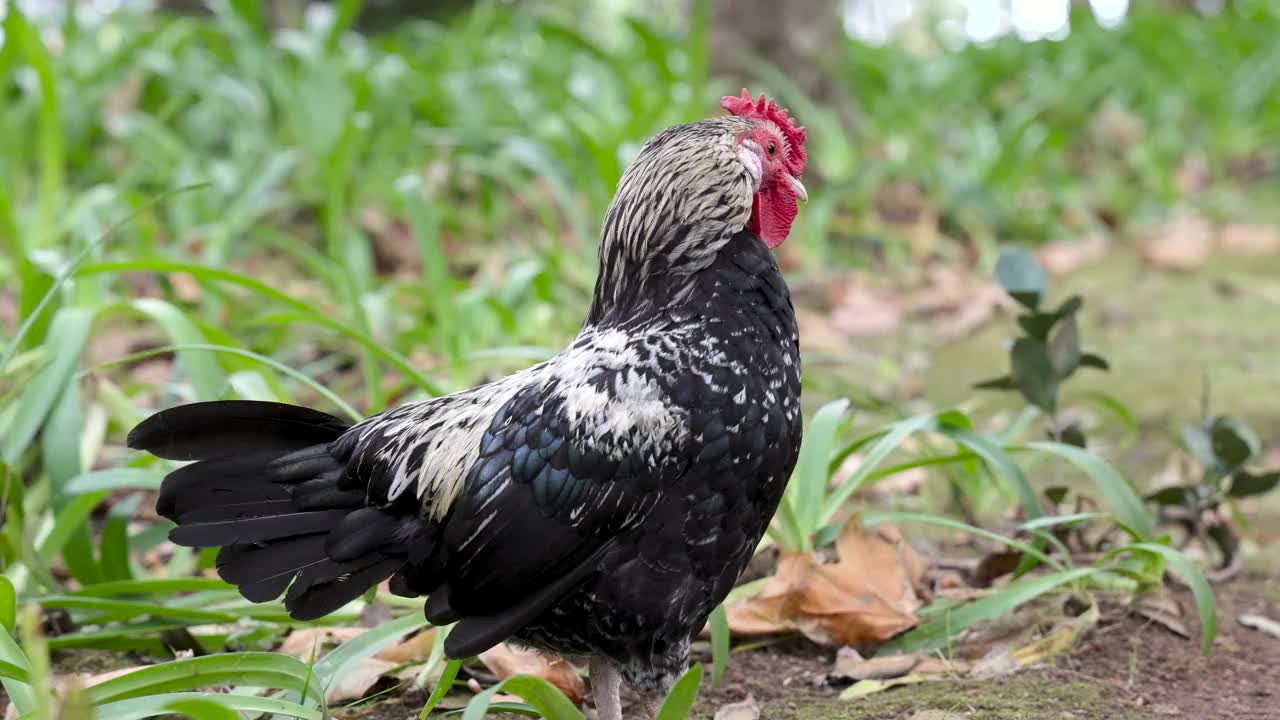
799	188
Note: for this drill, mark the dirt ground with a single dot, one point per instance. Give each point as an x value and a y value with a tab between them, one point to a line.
1126	668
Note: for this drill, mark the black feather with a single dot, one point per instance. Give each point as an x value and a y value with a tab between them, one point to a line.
475	634
227	427
438	611
259	529
359	533
326	586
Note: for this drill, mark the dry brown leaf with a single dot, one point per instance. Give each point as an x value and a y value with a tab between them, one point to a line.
1163	610
819	334
747	709
1183	243
863	311
356	682
303	642
1247	239
507	660
907	482
186	287
414	649
850	664
1063	256
864	598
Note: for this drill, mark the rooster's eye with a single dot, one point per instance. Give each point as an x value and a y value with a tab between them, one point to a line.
772	148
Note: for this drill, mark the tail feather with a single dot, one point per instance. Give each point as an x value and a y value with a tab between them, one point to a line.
224	428
234	530
271	487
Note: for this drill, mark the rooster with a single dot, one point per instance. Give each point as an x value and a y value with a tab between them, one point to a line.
599	505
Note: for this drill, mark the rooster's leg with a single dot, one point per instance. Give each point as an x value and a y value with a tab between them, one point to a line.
606	686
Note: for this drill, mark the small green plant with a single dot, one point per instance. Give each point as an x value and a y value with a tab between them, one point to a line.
1049	351
1224	446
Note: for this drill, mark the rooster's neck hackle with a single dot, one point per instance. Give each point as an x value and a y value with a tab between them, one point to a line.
684	196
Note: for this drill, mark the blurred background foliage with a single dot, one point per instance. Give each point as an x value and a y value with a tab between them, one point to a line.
435	185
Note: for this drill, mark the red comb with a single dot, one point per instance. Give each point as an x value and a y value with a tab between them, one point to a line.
765	109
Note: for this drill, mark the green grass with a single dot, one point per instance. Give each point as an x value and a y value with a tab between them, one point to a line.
352	222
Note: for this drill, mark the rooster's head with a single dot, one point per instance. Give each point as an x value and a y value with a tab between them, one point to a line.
773	153
690	190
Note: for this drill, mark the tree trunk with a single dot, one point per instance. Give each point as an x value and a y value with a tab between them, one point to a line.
800	38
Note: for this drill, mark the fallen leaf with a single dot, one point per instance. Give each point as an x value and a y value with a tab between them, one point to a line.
1183	243
867	596
417	647
305	642
1164	611
850	664
1246	239
869	687
356	682
747	709
1064	256
506	661
186	287
863	311
819	334
1261	624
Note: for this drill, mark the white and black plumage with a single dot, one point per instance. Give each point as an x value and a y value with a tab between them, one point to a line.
599	504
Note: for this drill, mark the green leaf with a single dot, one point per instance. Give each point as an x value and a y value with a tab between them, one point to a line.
542	695
202	709
809	481
680	701
121	478
168	703
202	369
1090	360
253	669
122	610
9	671
1234	442
8	604
719	643
1124	502
343	658
442	687
67	335
1196	438
21	694
936	632
1206	606
1179	495
1034	373
114	547
872	518
1096	361
1246	484
1020	275
155	587
1001	383
889	441
70	520
1064	347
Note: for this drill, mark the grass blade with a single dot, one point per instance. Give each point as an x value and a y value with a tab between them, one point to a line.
542	695
719	644
68	332
169	703
1128	508
680	701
